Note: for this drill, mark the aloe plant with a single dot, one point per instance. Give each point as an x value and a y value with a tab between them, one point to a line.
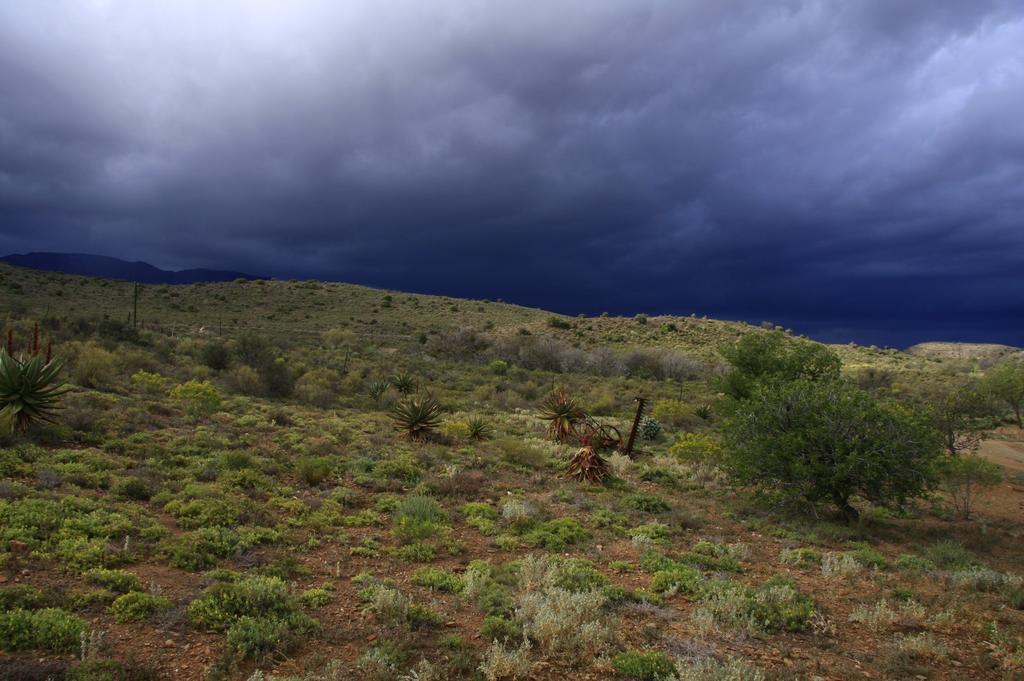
478	429
404	383
29	390
417	416
376	389
562	413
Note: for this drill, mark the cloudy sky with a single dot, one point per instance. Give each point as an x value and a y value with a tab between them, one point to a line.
851	168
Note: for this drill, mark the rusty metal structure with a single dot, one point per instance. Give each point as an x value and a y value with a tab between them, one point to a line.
641	403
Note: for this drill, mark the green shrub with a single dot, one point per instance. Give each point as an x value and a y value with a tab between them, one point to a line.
651	666
120	581
779	606
949	555
710	556
134	488
912	563
50	629
198	399
318	387
277	378
258	637
673	412
501	629
224	603
24	597
677	579
147	382
557	535
696	448
314	469
804	557
93	367
1015	597
107	670
418	517
205	512
216	356
577	575
648	503
416	552
137	606
203	548
315	598
515	451
558	323
439	580
482	516
421	617
236	460
869	557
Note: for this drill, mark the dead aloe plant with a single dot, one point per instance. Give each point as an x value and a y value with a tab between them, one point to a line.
588	466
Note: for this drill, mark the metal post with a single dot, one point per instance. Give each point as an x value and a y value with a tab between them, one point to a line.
640	402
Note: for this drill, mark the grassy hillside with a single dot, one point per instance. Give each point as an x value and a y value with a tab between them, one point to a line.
269	516
294	311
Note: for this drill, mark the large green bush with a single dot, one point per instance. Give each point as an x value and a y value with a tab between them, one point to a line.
774	358
828	441
49	629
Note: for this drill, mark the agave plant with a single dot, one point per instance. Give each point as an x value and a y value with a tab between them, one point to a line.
478	429
562	413
377	389
418	416
29	390
404	383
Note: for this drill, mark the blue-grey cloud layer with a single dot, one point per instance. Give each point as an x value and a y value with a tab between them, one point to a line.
855	169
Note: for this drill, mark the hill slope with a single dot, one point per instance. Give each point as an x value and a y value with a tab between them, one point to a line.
227	491
306	309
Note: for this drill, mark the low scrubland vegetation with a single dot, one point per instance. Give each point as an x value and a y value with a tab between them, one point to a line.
305	481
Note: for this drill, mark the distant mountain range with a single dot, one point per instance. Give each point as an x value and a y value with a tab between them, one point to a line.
115	268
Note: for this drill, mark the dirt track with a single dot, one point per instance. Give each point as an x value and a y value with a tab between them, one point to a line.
1008	454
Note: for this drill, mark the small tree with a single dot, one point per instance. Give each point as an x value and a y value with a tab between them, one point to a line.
774	357
958	409
826	440
1005	382
965	478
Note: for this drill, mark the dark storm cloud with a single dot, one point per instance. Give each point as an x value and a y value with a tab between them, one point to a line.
853	169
